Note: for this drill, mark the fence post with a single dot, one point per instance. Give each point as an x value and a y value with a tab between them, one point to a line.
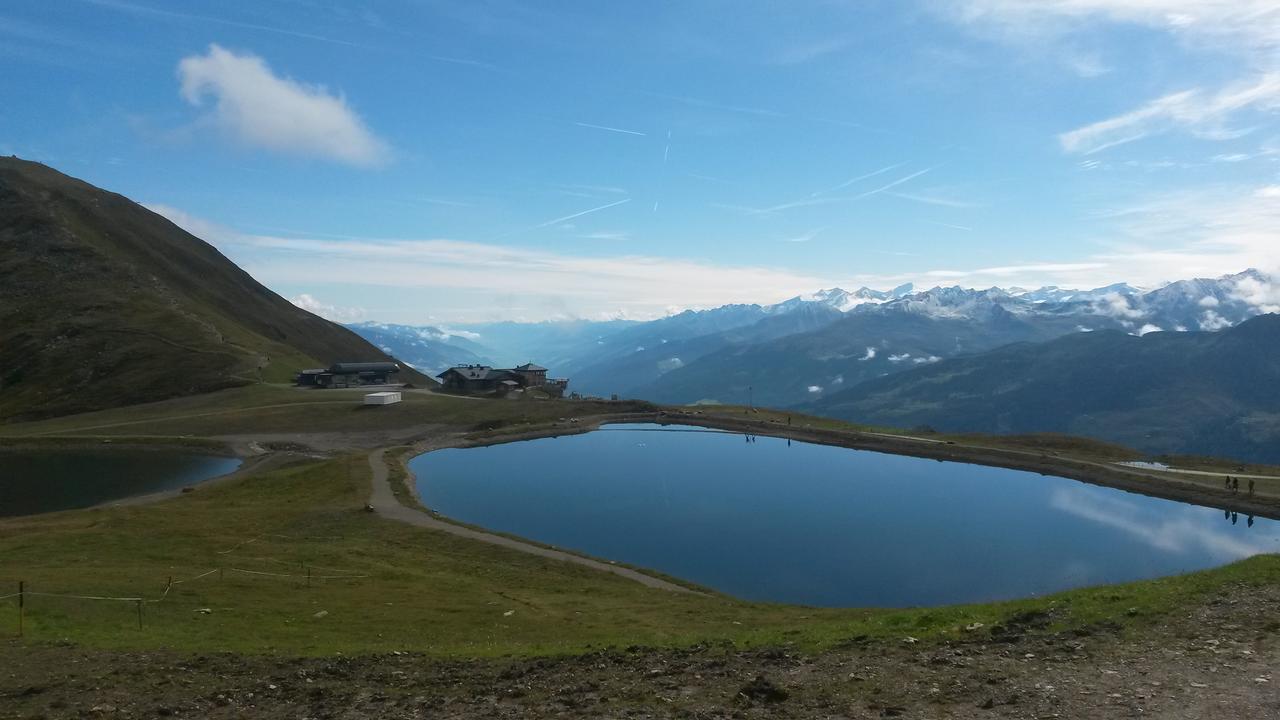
22	604
308	576
139	614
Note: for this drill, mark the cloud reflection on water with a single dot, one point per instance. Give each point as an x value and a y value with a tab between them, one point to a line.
1181	529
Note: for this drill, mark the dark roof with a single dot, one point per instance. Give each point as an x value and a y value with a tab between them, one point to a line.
530	367
359	367
476	372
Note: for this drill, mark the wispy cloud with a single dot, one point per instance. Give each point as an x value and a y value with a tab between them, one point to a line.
567	218
712	105
953	226
895	183
932	200
804	237
612	236
643	286
858	178
147	11
1187	109
611	129
258	108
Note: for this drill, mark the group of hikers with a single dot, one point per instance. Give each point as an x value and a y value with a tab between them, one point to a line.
1233	484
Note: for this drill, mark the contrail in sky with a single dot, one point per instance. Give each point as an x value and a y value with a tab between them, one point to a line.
610	129
580	214
895	183
851	181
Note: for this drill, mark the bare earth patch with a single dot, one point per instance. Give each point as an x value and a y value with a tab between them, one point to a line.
1219	659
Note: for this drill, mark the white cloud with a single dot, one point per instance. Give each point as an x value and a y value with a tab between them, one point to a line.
1248	29
815	388
325	310
899	358
670	364
1116	305
636	287
1212	321
1208	301
1188	109
926	360
1263	294
258	108
871	353
1149	328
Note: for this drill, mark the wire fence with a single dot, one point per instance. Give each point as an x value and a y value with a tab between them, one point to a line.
306	573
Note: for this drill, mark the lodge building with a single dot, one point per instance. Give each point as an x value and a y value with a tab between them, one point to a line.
485	380
348	374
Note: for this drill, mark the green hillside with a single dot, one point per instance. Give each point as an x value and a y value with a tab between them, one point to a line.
1193	392
105	303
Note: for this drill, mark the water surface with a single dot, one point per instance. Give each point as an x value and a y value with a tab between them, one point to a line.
819	525
40	481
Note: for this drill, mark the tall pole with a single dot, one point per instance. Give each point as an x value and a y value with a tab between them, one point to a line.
22	604
751	397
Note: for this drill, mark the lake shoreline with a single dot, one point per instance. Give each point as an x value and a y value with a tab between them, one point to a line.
1099	473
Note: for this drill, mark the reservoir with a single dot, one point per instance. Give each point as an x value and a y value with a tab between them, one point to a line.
47	480
763	519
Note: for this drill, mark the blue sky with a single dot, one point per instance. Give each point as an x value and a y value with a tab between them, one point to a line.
434	162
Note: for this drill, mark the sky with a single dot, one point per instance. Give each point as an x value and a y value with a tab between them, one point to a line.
431	162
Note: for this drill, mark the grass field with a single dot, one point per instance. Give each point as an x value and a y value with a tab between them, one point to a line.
423	590
263	409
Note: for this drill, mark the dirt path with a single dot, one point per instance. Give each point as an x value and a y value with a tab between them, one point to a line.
384	503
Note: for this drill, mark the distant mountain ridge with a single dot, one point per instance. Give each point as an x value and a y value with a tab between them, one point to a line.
1198	392
812	345
105	303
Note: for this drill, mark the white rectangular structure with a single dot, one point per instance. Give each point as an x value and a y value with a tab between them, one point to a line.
382	398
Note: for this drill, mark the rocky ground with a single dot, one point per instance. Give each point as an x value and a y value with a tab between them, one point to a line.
1218	660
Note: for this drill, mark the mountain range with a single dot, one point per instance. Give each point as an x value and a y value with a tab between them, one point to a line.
808	347
1211	393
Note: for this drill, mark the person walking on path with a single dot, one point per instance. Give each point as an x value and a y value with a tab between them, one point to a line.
1251	481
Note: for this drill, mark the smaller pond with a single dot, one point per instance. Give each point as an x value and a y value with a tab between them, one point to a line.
764	519
40	481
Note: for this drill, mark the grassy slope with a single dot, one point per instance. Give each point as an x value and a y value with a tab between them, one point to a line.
105	303
426	591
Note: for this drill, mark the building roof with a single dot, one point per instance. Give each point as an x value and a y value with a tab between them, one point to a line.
350	368
476	372
530	367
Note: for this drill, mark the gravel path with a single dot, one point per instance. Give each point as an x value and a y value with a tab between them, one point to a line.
384	503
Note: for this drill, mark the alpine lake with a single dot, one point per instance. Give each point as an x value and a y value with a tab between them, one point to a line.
768	519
